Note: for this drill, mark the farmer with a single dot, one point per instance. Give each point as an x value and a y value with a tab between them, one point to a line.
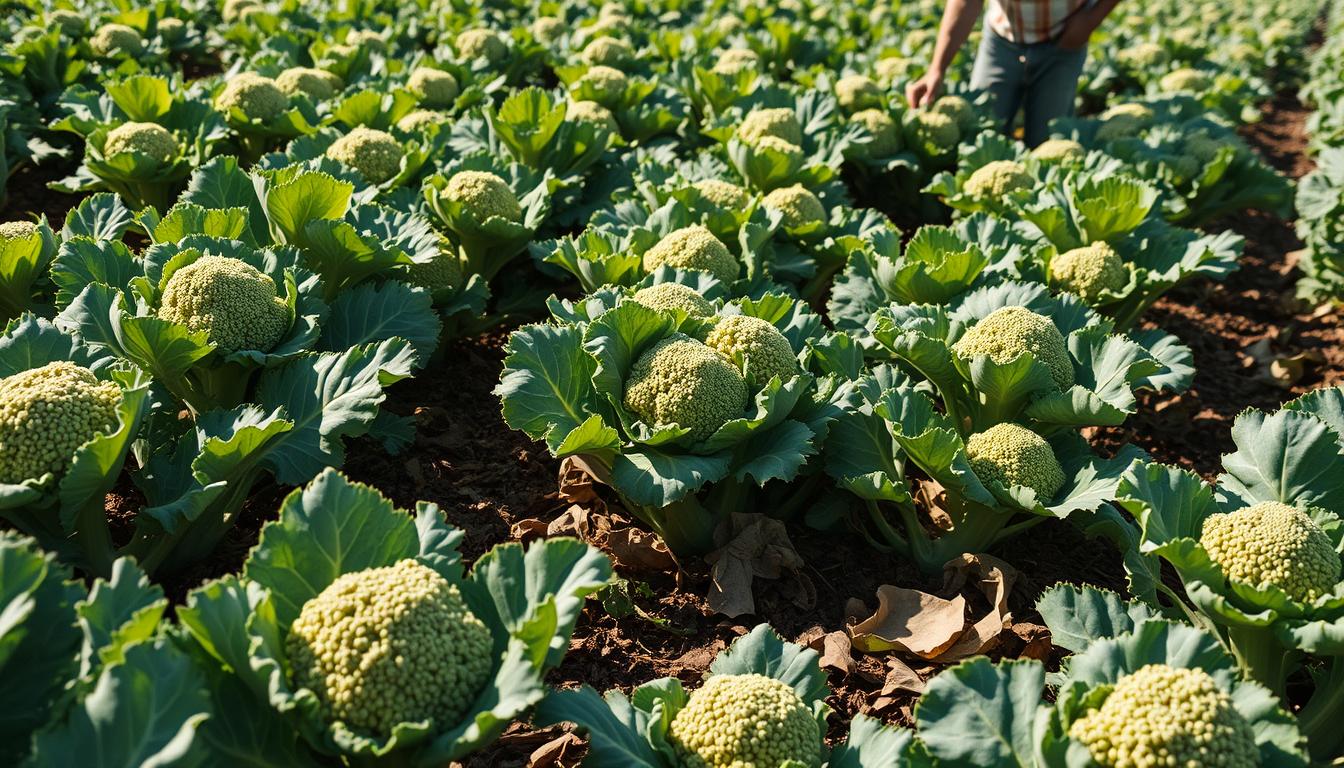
1031	55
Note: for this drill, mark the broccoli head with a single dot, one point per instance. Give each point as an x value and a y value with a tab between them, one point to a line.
724	194
745	721
1089	271
607	84
17	230
586	111
1185	79
114	39
375	154
439	274
316	84
420	118
668	296
149	139
683	382
756	346
1009	332
936	129
1161	715
231	300
735	60
481	44
69	22
1011	454
957	108
435	87
855	92
797	205
548	29
781	123
47	413
610	51
1059	151
886	136
257	97
996	179
693	247
484	195
391	645
1272	543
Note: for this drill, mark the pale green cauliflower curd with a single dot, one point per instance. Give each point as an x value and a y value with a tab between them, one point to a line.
1163	716
481	44
420	118
232	301
996	179
113	39
1059	151
726	195
1089	271
1272	543
586	111
17	230
148	139
1185	79
434	87
781	123
735	60
607	83
1124	121
316	84
1009	332
69	22
745	721
797	205
391	645
610	51
375	154
46	414
257	97
683	382
856	92
757	346
886	135
957	108
792	152
442	273
664	297
935	128
1011	454
693	247
484	195
548	29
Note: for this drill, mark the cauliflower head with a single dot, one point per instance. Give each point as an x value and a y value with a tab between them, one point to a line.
231	300
316	84
886	136
891	68
957	108
996	179
1161	715
792	152
481	44
855	92
781	123
47	413
935	128
366	38
1059	151
585	111
548	29
441	273
610	51
693	247
669	296
484	195
1185	79
1123	121
797	205
435	87
113	39
735	60
1273	543
724	194
390	645
683	382
257	97
1012	455
375	154
17	230
1009	332
149	139
69	22
745	721
1089	271
757	346
607	84
233	9
420	118
1143	56
172	29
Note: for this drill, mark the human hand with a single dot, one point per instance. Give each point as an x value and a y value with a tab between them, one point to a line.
923	91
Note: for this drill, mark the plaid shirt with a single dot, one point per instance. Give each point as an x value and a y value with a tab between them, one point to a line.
1030	21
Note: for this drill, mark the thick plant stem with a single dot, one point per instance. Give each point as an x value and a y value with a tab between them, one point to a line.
1261	656
1322	719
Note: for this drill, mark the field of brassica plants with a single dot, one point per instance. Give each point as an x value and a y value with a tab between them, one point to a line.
647	384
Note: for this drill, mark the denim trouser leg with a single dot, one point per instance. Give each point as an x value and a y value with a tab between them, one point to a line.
1039	79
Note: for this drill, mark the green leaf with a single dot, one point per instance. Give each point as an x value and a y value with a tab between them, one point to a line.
763	652
119	612
615	729
372	312
291	206
1079	616
871	744
546	388
982	714
1286	456
653	479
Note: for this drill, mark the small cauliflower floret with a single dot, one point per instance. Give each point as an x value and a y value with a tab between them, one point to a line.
481	44
414	121
745	721
891	68
69	22
172	29
780	123
1185	79
391	645
1011	454
856	92
1009	332
46	414
957	108
548	29
668	296
257	97
1165	716
1273	543
17	230
1089	271
117	39
1143	56
935	128
375	154
435	87
683	382
724	194
797	205
611	51
996	179
484	195
366	38
693	247
1059	151
233	9
149	139
441	273
735	60
608	85
886	136
1123	121
755	344
231	300
316	84
587	111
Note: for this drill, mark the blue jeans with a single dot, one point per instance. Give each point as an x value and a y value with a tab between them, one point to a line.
1040	79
